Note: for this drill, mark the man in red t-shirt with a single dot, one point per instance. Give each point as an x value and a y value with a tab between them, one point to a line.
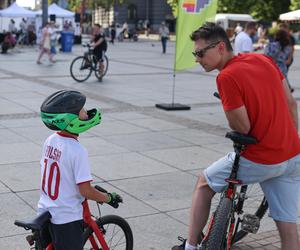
257	102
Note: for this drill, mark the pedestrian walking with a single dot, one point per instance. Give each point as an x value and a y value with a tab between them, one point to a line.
45	44
164	36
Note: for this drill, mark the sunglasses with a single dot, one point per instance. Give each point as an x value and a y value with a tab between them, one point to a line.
201	52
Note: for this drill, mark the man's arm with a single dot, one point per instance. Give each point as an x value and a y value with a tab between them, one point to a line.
292	103
238	120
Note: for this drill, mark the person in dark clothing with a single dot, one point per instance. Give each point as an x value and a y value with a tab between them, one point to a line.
112	33
9	42
100	46
292	42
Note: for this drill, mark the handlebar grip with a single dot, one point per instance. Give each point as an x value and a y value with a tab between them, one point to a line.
216	94
101	189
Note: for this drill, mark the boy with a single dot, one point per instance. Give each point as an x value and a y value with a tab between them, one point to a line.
66	177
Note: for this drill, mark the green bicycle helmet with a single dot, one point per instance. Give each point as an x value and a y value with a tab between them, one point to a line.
60	111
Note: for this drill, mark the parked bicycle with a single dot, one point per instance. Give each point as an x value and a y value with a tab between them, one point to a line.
109	232
82	66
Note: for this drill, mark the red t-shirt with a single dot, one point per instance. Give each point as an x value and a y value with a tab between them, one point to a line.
253	80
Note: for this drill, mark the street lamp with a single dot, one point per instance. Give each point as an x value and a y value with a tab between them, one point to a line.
45	11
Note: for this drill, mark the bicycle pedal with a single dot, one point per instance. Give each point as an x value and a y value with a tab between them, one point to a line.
250	223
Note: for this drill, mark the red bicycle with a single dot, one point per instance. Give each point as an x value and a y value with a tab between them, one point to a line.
109	232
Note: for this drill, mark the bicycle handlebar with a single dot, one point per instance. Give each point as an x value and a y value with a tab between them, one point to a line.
101	189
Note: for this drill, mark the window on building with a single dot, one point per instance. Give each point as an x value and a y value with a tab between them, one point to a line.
132	12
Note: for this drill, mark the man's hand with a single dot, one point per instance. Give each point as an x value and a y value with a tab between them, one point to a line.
114	199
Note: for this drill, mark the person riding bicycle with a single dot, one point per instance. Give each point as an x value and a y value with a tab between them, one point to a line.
257	102
66	176
100	46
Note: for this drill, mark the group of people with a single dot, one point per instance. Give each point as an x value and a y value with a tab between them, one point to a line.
257	102
25	35
281	48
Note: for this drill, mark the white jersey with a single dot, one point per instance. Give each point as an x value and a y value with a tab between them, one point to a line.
64	165
243	43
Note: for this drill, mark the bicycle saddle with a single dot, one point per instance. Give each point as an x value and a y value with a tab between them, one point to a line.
242	139
35	224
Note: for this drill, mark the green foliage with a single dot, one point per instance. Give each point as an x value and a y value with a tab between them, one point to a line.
272	31
295	5
267	10
174	6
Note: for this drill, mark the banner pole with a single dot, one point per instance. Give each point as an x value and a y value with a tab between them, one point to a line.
174	106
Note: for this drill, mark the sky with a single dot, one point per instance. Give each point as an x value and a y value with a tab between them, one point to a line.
26	3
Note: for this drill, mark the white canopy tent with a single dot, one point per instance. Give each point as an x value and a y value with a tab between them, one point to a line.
15	10
17	13
54	9
290	16
60	14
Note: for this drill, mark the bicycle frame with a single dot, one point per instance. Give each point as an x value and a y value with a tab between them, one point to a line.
87	217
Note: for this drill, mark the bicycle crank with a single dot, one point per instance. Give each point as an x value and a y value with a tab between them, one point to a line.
250	223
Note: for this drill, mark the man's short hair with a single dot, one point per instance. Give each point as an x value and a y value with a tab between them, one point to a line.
211	32
98	25
251	25
284	26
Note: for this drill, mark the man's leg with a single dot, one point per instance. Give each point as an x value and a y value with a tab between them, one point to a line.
201	202
289	235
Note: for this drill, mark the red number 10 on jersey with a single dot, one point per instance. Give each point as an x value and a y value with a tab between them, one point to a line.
53	167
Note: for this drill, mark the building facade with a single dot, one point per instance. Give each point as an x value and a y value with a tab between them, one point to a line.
136	12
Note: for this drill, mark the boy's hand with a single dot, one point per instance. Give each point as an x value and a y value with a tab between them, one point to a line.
114	199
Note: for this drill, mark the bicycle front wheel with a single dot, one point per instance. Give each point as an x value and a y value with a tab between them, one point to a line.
117	233
217	236
80	69
105	68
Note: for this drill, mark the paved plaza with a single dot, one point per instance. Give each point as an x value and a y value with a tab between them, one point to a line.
150	156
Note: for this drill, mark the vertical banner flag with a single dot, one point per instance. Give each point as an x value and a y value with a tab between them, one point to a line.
191	15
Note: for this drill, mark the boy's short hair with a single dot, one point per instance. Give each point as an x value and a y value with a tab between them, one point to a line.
211	32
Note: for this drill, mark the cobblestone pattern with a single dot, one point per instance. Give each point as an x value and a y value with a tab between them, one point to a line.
264	241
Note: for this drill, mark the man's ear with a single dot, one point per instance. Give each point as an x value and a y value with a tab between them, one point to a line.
222	47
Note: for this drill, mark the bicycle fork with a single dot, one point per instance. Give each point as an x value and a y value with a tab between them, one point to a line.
88	220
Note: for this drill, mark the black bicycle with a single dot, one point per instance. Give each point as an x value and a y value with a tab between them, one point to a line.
82	66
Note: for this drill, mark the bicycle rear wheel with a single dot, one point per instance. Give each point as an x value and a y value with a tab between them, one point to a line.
80	69
117	233
105	68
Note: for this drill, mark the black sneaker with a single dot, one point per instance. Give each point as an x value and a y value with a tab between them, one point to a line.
180	247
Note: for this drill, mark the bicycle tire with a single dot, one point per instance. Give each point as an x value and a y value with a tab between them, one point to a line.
106	223
79	65
105	62
217	234
261	211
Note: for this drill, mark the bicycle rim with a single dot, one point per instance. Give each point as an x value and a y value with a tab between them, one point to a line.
255	204
117	233
105	68
80	69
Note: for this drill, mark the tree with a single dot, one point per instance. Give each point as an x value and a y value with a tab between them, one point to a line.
267	10
295	5
174	6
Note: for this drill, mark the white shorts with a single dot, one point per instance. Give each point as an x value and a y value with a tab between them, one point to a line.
279	182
